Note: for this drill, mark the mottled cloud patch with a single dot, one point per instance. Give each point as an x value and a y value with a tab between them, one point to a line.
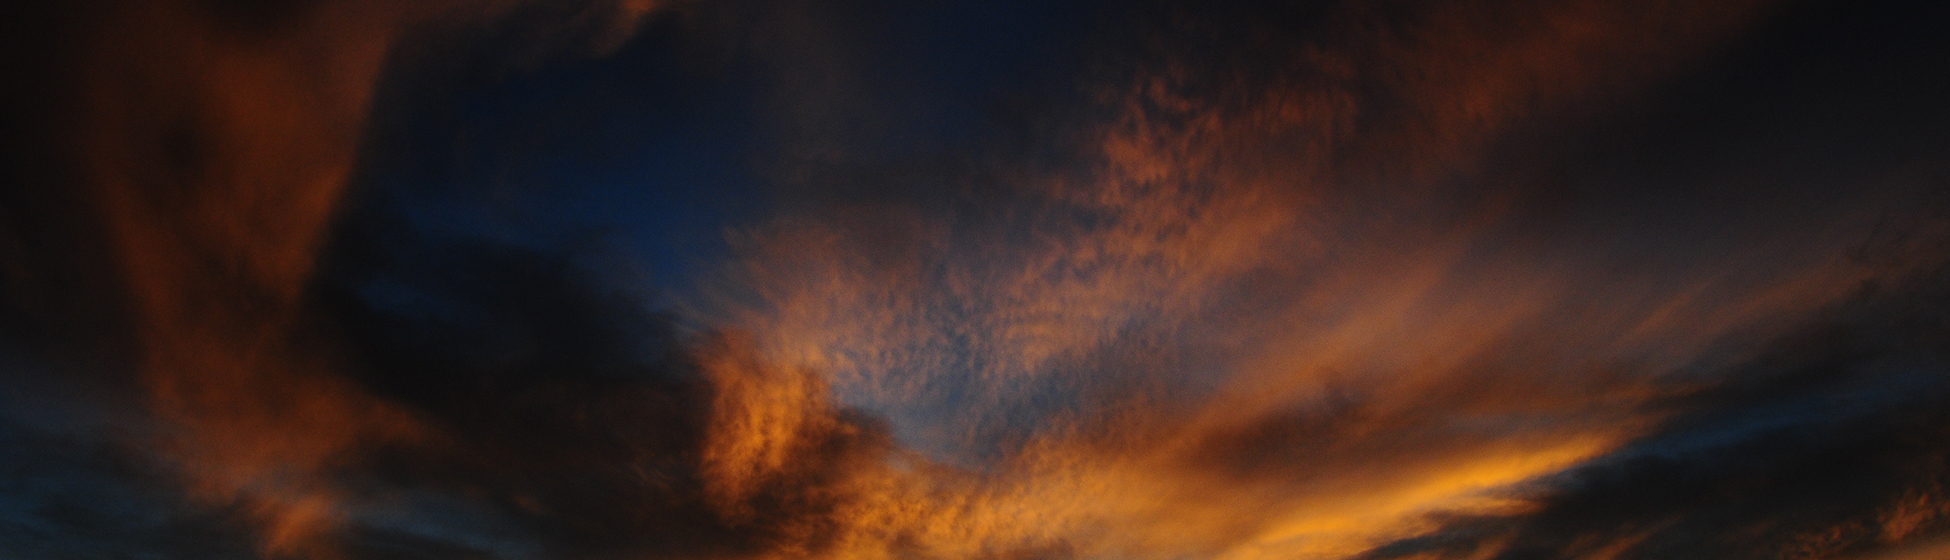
1590	279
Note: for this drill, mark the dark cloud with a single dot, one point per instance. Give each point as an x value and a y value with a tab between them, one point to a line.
571	412
71	495
564	419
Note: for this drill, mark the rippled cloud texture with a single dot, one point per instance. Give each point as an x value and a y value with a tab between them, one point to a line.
766	279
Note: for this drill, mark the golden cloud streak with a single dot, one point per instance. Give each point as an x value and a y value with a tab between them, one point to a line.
1375	366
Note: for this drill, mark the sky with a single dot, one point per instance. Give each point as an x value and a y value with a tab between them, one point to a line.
1002	280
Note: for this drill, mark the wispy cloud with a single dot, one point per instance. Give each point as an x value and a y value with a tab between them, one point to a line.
1271	283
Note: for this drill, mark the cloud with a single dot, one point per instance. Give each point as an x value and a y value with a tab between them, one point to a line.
1276	304
199	150
1274	283
1824	446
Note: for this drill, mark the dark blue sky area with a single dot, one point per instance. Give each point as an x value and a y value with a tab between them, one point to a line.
654	148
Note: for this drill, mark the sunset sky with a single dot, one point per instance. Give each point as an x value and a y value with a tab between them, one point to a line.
975	280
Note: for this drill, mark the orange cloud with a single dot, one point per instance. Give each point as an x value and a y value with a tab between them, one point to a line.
1350	348
1256	322
214	143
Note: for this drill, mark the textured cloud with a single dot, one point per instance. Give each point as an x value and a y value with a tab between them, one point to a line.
1342	280
1275	305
